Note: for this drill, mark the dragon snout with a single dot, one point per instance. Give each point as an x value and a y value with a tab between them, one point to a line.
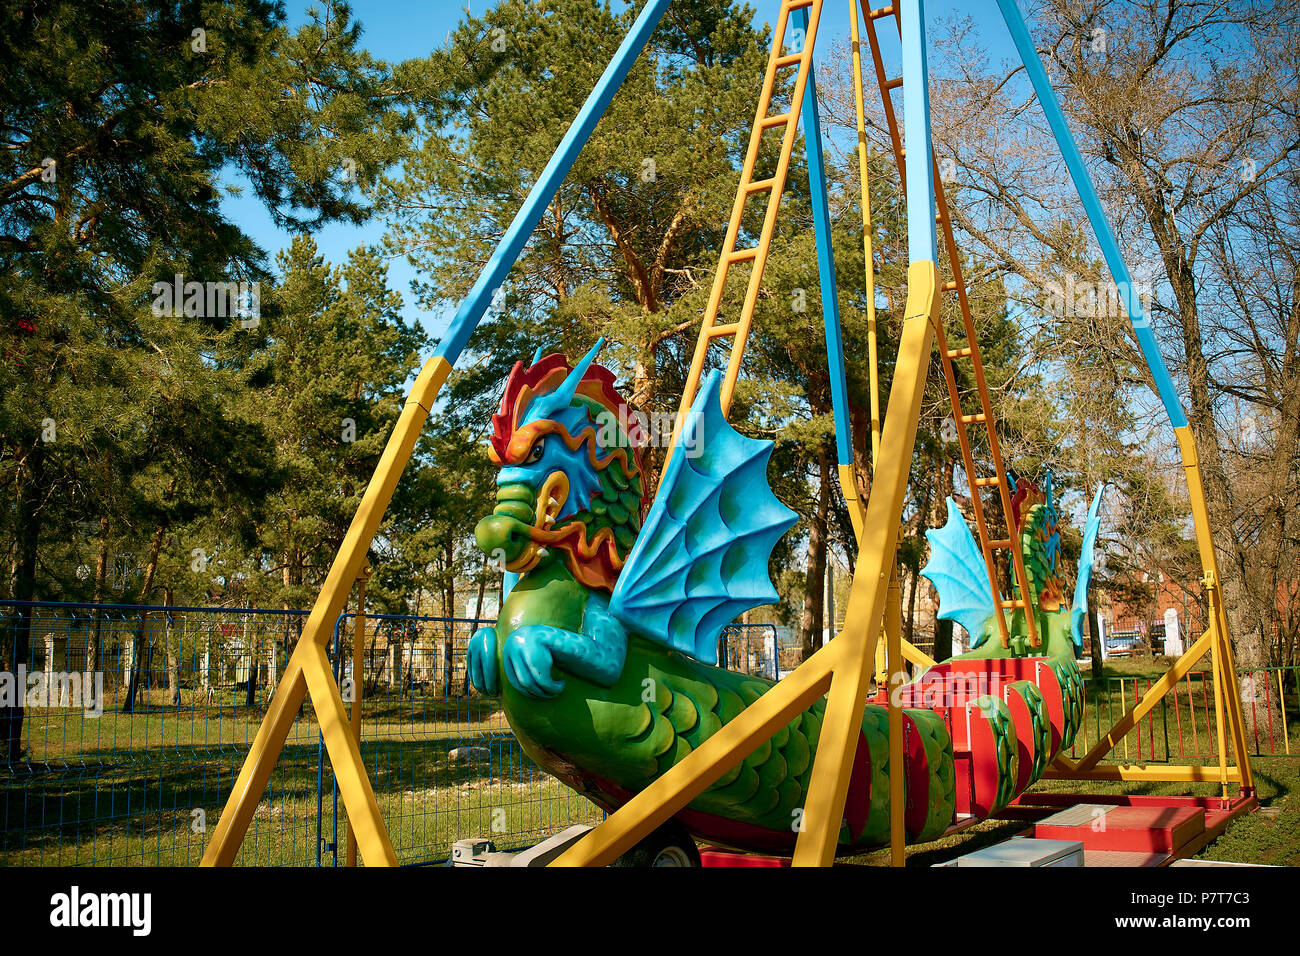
502	536
510	533
515	533
506	533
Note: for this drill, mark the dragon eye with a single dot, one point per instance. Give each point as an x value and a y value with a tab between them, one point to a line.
535	453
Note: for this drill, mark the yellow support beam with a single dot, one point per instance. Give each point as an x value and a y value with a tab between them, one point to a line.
1286	734
857	507
1139	710
358	684
894	661
1216	654
308	668
1123	771
832	767
1236	713
915	655
345	757
1229	721
1225	679
873	363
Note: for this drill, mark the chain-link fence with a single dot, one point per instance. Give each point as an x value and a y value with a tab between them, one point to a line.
133	723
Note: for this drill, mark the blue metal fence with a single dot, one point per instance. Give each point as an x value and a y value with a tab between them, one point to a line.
139	770
132	764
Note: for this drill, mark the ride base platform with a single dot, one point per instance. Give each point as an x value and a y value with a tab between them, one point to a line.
1116	830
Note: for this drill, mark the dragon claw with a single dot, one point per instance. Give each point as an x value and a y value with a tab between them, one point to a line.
529	661
482	655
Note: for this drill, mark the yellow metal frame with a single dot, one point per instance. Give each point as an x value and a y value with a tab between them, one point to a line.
1229	720
309	672
868	247
957	284
358	686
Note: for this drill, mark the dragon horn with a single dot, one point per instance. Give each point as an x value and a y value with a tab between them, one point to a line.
537	356
569	387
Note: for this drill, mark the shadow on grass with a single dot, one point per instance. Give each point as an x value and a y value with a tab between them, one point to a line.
155	807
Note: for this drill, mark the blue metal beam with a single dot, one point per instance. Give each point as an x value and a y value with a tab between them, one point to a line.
476	304
922	234
825	260
1096	214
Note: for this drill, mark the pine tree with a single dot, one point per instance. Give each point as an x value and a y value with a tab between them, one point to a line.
122	124
328	376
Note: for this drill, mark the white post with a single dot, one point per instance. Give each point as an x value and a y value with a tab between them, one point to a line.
204	678
1173	637
271	674
1101	635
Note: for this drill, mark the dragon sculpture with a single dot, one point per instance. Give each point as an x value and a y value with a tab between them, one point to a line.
604	654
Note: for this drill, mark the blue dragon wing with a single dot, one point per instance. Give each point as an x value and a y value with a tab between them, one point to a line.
701	557
1086	555
956	569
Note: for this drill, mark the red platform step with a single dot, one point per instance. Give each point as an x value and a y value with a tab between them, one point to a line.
1132	829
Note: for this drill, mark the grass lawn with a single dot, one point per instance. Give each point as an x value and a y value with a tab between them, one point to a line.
142	788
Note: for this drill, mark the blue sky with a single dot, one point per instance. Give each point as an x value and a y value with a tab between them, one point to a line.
395	30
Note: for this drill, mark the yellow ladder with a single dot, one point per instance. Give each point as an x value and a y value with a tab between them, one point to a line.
738	331
989	546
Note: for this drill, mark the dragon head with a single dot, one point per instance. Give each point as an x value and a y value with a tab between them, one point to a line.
1034	510
570	483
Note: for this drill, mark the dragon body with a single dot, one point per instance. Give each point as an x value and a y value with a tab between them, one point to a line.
605	649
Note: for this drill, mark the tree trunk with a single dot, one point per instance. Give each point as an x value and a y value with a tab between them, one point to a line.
93	643
28	509
925	520
1098	664
482	588
140	640
811	618
942	639
249	647
448	634
173	653
205	672
830	594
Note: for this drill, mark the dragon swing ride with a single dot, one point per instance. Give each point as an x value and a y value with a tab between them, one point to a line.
604	655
